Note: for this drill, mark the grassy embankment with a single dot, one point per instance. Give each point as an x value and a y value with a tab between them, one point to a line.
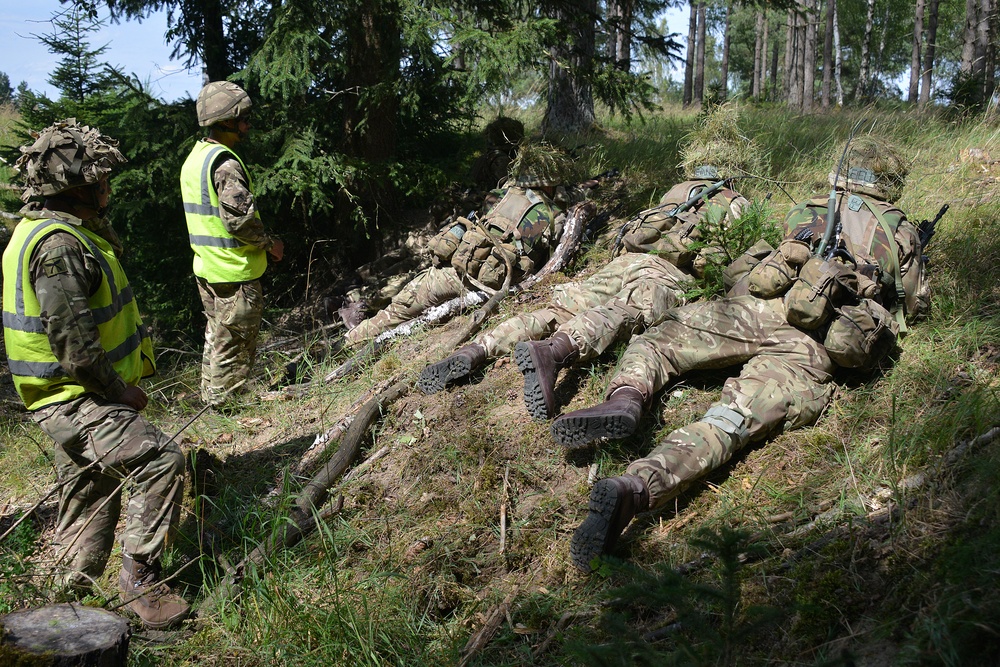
858	537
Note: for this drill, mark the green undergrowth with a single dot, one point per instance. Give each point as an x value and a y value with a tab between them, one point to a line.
866	539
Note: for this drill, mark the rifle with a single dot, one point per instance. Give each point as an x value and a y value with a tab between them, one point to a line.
709	191
927	228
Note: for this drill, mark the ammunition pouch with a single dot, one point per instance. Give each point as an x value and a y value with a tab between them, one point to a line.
446	242
822	286
860	336
736	275
776	272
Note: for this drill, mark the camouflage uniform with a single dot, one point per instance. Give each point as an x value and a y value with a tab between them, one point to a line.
98	441
784	383
436	285
233	310
631	293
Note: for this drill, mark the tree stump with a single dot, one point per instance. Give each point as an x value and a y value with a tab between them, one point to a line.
63	635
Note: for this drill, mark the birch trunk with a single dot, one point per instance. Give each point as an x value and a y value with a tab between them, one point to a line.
918	34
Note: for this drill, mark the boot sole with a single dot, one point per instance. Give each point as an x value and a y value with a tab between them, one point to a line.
579	431
436	377
591	539
534	396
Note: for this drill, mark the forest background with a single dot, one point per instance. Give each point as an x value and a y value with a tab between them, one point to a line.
870	540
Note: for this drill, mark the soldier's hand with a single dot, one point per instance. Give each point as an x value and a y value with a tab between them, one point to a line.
277	251
134	397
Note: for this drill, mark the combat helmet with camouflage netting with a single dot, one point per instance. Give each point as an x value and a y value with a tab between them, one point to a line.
66	155
541	165
872	166
504	132
717	149
219	101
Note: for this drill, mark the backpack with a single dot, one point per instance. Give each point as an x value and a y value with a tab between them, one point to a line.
671	236
524	223
882	243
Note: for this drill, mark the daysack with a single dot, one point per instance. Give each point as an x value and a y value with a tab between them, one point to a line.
523	237
875	234
657	232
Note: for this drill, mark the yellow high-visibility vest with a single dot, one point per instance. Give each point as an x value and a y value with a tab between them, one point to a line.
218	256
38	377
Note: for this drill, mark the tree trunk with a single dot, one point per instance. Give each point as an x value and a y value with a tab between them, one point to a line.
759	48
372	66
774	70
689	62
989	13
809	57
570	102
918	32
789	55
985	16
827	55
620	33
65	635
724	66
215	50
969	37
698	93
926	75
838	58
861	91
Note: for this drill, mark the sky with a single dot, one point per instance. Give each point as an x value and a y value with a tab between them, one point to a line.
135	48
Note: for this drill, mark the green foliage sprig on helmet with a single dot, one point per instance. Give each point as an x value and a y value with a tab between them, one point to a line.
872	166
66	155
717	149
541	165
220	101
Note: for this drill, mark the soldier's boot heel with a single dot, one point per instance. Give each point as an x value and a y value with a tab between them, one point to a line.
151	600
539	362
617	417
462	363
613	504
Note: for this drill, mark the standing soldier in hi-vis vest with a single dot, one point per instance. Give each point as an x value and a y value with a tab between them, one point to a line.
229	242
77	349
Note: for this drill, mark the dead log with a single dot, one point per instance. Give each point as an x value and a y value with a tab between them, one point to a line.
576	222
64	635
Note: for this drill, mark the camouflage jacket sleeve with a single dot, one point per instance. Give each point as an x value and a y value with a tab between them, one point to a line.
237	206
64	275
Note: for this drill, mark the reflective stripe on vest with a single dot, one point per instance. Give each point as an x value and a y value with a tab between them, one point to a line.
38	377
218	256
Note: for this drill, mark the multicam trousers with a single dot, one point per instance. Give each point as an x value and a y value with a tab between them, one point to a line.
630	293
98	445
784	383
233	312
431	287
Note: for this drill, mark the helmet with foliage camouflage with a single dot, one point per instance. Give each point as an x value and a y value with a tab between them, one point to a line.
504	132
717	148
540	165
66	155
221	100
872	166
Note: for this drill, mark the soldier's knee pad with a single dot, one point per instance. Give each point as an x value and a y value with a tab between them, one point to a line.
730	421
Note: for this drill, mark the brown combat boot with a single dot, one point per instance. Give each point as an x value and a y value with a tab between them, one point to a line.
539	362
614	502
464	361
152	601
616	417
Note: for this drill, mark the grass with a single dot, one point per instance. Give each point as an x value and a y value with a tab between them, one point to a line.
824	542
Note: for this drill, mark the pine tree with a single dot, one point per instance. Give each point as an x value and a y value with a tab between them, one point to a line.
79	73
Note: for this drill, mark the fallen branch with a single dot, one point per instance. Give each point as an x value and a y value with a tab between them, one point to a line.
307	509
569	243
429	316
